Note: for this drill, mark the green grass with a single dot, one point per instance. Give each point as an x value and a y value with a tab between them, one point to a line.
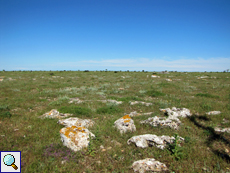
207	95
23	100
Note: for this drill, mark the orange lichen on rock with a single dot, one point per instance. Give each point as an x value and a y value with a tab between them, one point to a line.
126	117
126	121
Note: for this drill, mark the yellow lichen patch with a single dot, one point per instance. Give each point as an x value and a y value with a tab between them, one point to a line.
126	117
68	130
81	129
126	121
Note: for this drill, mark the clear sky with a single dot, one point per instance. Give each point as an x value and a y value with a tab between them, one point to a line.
152	35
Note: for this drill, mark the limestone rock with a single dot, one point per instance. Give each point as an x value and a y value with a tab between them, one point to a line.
147	140
74	121
172	122
169	80
55	114
176	112
148	164
134	114
125	124
217	129
213	113
137	102
75	138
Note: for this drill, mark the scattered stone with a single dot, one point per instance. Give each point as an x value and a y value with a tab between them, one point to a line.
74	121
134	114
75	100
169	80
123	77
149	140
125	124
155	76
121	89
114	101
176	112
1	80
137	102
217	129
213	113
172	122
63	162
55	114
75	138
148	164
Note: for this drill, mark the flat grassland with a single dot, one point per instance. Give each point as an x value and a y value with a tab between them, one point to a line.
25	95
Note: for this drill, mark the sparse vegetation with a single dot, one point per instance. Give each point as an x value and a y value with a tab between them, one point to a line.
24	96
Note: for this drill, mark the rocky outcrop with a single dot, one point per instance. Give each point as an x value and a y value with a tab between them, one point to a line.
171	122
74	121
176	112
75	137
149	140
125	124
148	164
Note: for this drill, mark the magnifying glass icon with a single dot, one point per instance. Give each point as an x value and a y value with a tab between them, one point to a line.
9	160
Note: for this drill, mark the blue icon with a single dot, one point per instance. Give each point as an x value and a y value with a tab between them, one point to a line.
9	160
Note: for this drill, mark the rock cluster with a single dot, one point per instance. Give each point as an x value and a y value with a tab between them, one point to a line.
125	124
155	76
148	164
176	112
147	140
75	100
171	122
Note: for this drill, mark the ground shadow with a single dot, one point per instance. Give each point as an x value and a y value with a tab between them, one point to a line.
213	136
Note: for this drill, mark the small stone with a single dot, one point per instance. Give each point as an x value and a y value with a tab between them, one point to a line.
149	164
213	113
226	150
63	162
103	150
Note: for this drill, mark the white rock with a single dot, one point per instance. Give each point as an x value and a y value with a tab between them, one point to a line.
55	114
217	129
75	138
172	122
125	124
147	140
169	80
176	112
74	121
148	164
213	113
155	76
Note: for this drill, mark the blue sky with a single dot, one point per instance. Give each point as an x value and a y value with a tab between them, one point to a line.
152	35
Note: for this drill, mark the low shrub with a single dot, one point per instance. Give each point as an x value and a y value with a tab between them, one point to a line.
207	95
109	110
154	93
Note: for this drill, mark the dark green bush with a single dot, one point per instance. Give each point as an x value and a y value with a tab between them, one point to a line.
109	110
